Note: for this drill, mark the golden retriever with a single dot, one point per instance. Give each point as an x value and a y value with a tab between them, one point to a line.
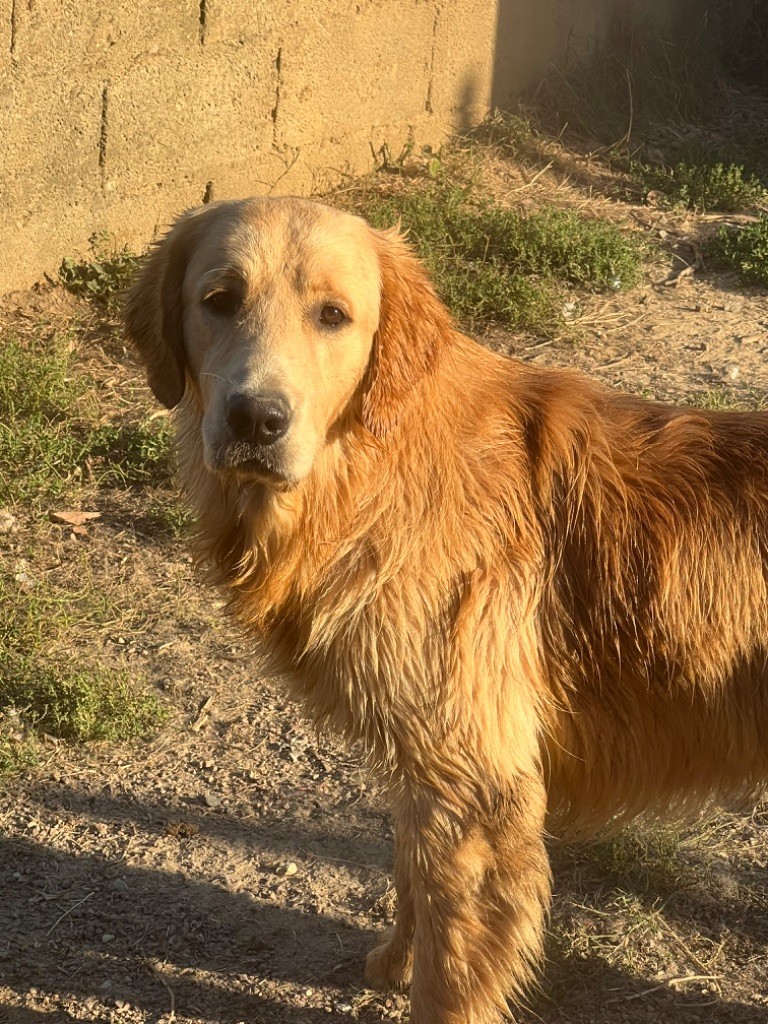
534	601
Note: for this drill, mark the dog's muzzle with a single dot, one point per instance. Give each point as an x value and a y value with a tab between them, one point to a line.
255	425
259	420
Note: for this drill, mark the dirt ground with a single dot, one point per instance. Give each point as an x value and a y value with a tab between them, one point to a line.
237	868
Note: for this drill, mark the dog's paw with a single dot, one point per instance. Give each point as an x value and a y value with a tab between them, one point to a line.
389	964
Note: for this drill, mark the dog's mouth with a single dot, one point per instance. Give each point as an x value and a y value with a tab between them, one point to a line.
252	463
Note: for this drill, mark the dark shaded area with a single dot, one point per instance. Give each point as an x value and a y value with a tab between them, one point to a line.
636	71
159	917
164	918
742	25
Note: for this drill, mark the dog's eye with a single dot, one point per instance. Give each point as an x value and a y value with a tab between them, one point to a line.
332	316
224	302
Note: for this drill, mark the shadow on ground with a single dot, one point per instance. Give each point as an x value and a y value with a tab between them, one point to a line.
91	928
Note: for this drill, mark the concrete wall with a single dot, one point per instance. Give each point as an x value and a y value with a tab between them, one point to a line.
114	116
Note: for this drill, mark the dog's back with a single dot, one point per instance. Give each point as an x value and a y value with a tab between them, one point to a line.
654	615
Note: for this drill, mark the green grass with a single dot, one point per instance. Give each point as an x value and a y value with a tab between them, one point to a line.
18	750
134	453
104	276
493	265
645	852
166	514
78	703
46	687
726	398
744	250
37	382
43	408
56	447
50	430
700	184
512	134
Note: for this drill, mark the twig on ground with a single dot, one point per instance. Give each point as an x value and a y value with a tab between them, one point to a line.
66	913
202	715
161	978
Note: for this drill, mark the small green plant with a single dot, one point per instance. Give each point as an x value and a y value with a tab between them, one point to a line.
36	380
384	160
591	253
702	185
744	250
726	398
104	276
491	264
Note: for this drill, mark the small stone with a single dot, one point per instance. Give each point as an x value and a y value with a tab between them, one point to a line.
287	870
211	800
107	937
25	581
8	522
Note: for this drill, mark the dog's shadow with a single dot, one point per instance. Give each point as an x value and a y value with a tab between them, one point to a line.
77	927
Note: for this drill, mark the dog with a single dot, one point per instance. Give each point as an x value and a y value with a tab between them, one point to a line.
539	605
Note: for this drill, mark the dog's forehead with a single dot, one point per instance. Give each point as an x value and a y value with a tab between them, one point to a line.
312	246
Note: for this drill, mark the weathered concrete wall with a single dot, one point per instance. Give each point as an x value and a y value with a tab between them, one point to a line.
115	116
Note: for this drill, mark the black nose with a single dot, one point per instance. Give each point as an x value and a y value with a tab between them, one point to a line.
262	419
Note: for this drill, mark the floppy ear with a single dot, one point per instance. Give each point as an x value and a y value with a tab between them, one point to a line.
153	312
413	326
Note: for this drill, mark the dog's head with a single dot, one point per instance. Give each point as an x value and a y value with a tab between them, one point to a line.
281	314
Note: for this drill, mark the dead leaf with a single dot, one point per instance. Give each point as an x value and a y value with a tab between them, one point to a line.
75	518
676	279
655	198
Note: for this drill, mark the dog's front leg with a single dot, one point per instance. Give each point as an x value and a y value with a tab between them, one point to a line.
389	964
480	885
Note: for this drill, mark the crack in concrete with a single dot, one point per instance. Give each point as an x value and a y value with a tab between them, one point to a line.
428	102
278	86
103	130
203	19
13	27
